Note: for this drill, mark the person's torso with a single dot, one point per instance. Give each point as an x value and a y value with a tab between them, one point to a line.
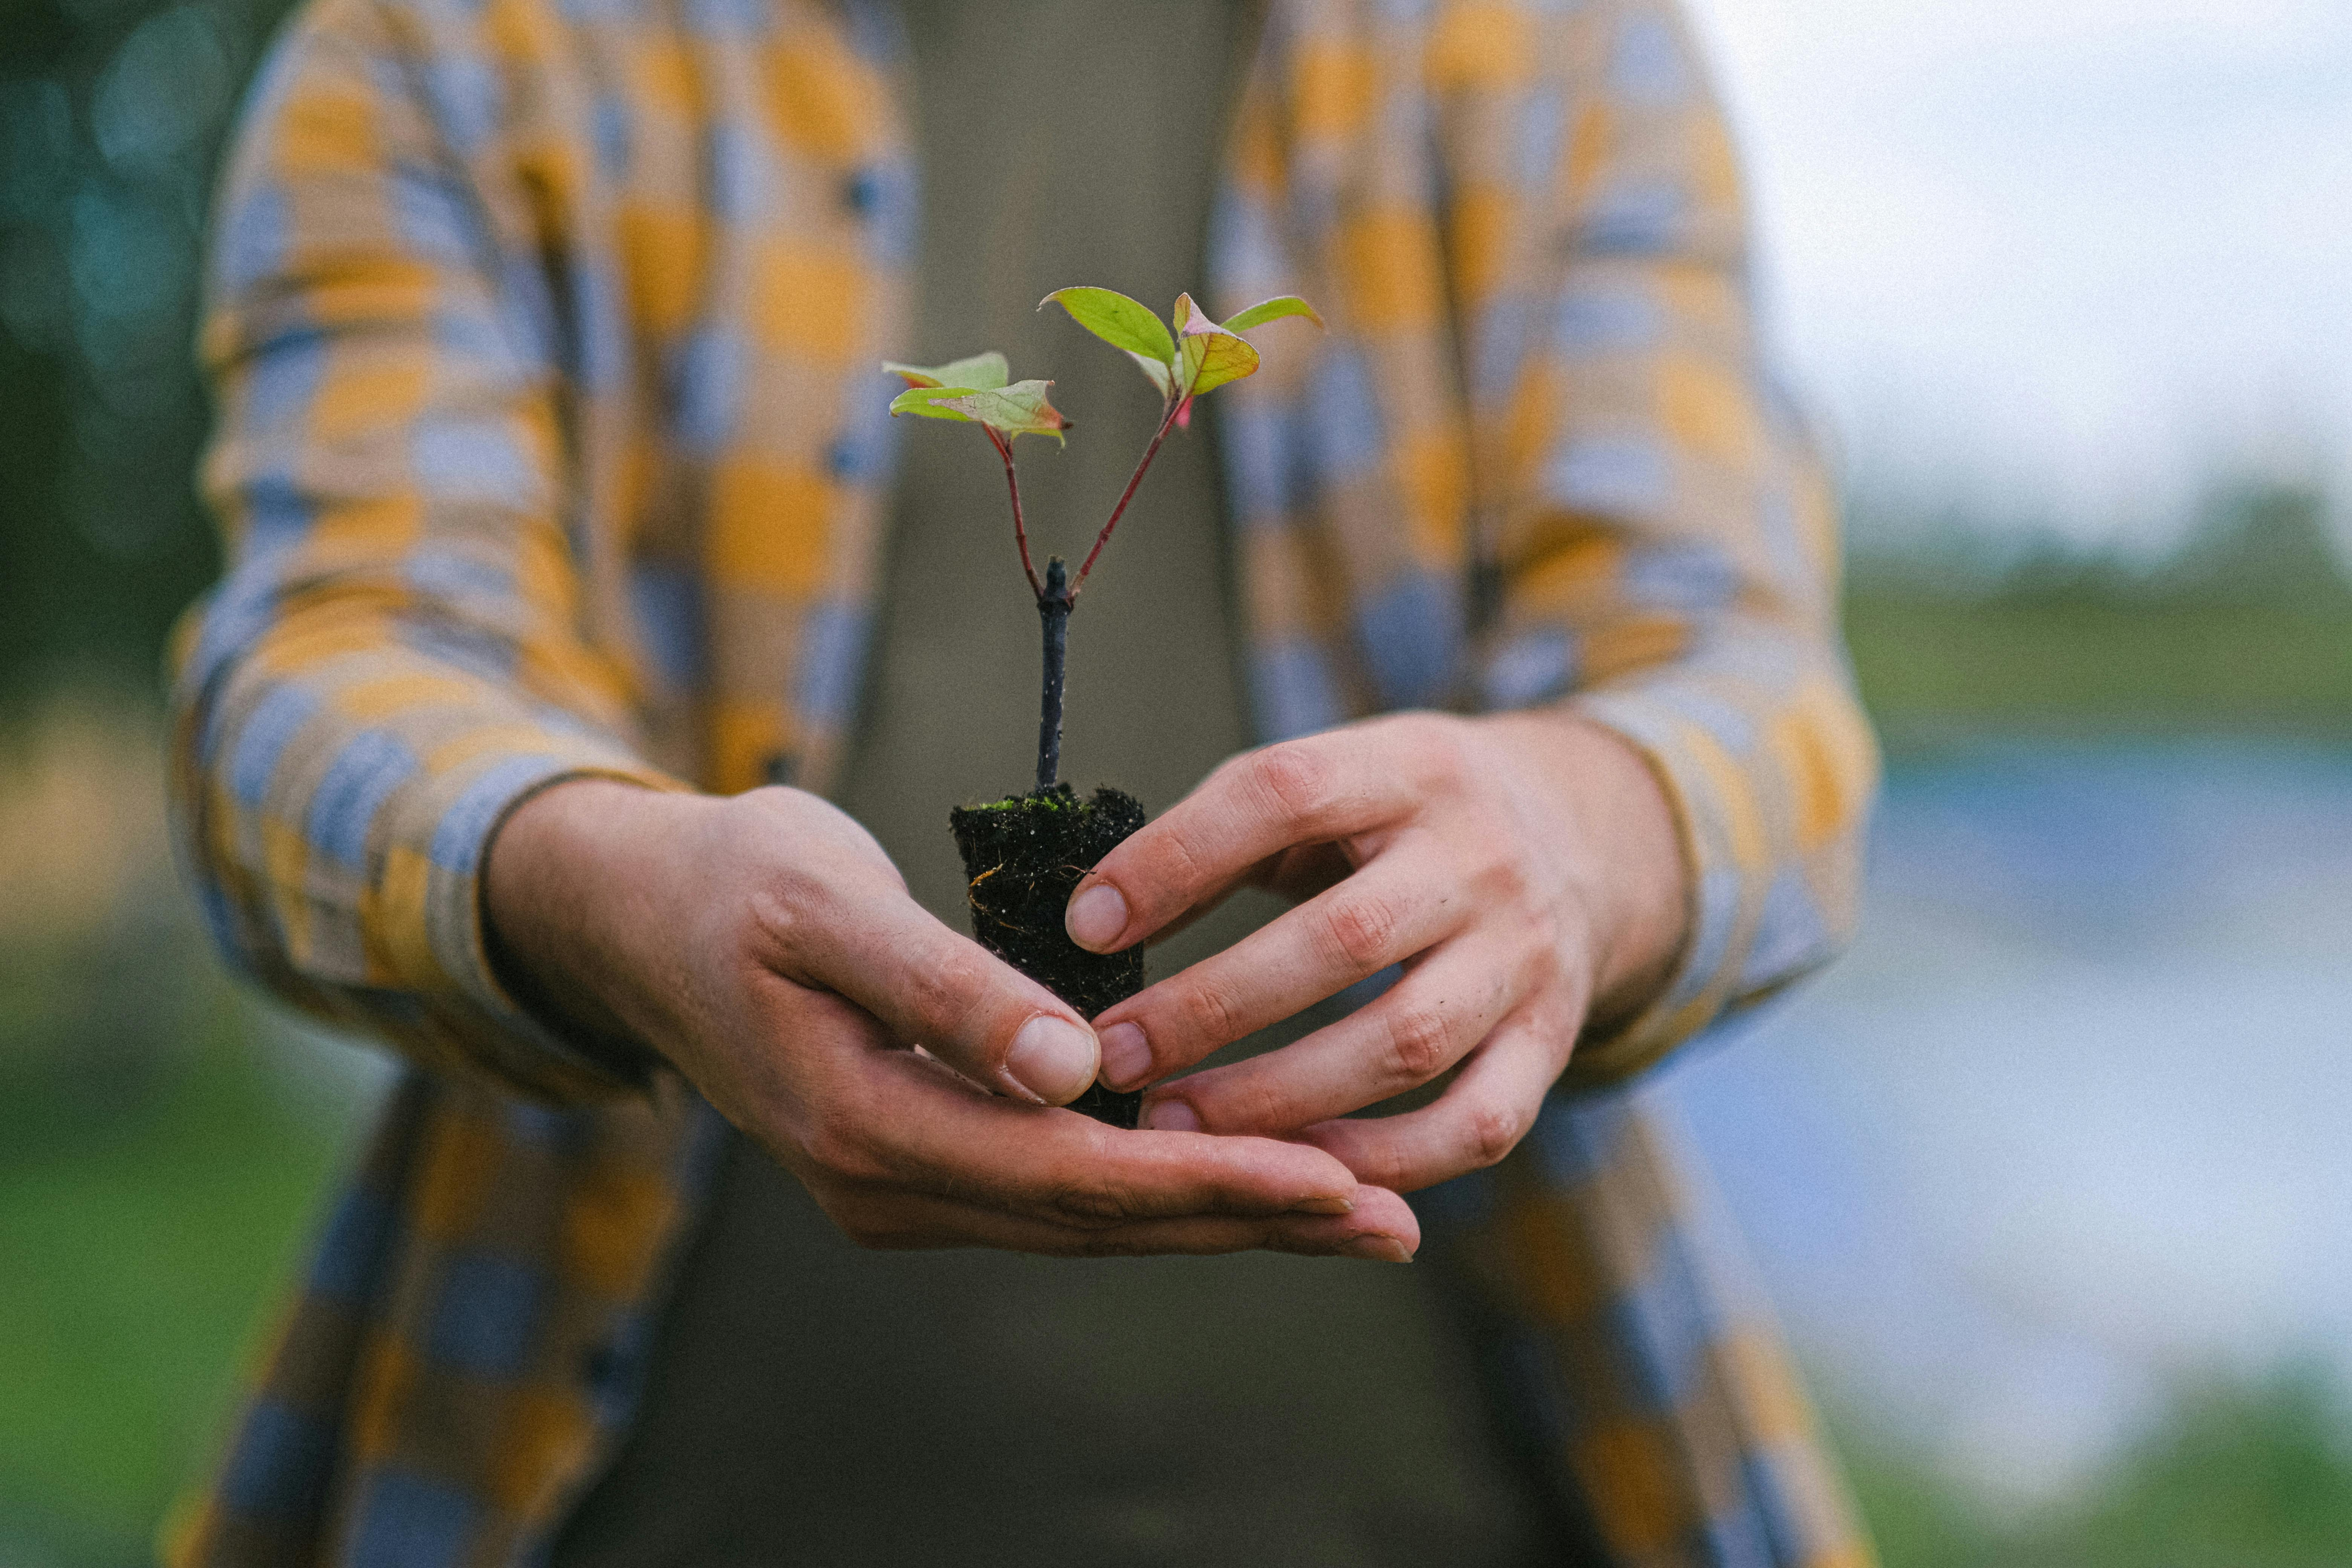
813	1402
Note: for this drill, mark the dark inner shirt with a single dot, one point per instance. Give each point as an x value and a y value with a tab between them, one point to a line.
813	1403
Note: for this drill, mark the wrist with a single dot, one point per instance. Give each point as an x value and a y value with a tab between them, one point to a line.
1625	847
569	880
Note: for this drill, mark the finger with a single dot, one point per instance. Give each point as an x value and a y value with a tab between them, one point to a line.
1385	913
1481	1117
903	1126
1207	905
1380	1228
1430	1019
933	987
1314	790
1294	875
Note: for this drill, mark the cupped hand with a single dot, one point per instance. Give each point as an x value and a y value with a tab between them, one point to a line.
1523	869
767	948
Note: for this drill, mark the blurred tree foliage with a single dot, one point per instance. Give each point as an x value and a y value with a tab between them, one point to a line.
112	113
2244	628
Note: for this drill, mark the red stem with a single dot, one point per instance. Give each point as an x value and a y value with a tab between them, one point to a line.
1020	528
1102	539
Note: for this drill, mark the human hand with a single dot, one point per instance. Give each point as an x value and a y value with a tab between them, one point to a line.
1523	868
767	948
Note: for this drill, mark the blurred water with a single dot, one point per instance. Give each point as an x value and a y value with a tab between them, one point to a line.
2070	1119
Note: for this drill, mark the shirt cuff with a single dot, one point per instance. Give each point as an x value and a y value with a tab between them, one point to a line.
1717	821
428	920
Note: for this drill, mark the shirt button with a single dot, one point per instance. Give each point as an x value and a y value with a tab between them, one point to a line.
860	192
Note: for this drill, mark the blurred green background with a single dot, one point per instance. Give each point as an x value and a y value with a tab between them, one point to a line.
165	1139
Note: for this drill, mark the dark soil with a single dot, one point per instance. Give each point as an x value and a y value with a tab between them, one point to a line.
1024	855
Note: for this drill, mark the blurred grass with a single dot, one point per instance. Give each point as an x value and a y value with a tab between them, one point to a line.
2234	1473
159	1162
139	1262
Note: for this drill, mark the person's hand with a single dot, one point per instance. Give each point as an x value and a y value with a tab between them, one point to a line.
1524	869
767	948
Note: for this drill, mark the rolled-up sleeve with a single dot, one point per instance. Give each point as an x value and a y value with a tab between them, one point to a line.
393	660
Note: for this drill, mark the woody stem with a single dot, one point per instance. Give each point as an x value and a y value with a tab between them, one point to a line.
1054	602
1020	528
1167	423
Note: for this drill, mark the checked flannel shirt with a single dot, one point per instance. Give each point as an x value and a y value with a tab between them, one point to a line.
551	442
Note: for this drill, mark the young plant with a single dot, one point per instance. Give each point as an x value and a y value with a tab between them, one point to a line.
1025	853
1200	356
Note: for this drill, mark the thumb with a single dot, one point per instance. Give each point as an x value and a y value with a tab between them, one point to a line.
948	994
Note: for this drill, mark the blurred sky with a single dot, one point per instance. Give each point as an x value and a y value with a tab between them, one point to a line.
2068	259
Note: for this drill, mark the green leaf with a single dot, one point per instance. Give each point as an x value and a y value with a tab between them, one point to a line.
1121	322
1213	359
1211	356
1272	309
981	370
925	401
1019	409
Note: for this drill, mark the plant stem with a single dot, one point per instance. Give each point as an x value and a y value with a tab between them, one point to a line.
1020	528
1054	604
1167	423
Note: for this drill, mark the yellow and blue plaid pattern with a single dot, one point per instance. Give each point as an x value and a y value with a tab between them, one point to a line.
544	332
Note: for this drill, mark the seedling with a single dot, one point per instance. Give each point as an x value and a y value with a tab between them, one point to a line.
1025	855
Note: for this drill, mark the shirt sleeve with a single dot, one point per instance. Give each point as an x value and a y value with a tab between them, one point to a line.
1661	533
393	660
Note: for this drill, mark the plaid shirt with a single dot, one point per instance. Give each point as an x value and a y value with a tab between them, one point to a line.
552	443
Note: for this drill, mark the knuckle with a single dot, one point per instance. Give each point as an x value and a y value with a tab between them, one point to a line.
1490	1132
1546	962
1174	862
841	1146
780	924
1420	1044
1209	1013
1239	1100
1363	929
948	993
1298	780
1504	879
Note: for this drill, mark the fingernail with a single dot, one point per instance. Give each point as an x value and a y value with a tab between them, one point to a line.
1172	1117
1376	1249
1095	917
1325	1205
1126	1055
1053	1059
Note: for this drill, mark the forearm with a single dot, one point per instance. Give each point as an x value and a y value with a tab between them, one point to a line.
567	895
